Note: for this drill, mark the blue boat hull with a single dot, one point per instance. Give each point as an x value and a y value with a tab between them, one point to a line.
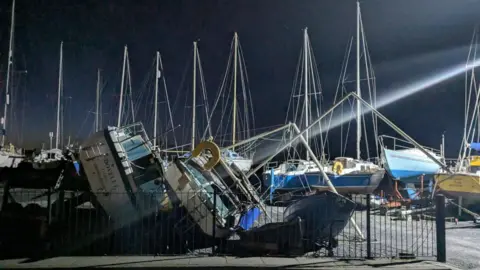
355	183
408	168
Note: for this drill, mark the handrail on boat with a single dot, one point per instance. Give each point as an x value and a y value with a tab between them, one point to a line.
395	145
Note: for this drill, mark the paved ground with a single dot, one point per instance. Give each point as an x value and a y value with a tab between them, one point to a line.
463	248
216	262
391	237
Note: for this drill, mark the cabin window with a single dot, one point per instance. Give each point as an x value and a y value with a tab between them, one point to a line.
144	170
135	148
207	191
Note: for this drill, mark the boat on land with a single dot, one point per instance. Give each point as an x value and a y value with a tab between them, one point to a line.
124	172
347	175
409	164
220	213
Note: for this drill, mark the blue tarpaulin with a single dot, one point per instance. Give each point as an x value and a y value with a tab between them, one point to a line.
475	146
249	218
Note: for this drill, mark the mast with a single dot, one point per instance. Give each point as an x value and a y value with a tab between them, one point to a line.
305	62
9	67
157	73
359	117
121	87
59	95
162	75
97	103
235	59
194	92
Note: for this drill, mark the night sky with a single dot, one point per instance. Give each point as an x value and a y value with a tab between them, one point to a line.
408	40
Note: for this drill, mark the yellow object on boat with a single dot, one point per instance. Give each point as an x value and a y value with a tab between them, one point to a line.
459	184
475	161
214	151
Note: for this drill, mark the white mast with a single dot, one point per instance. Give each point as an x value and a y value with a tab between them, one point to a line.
157	73
9	67
121	87
235	59
305	62
59	95
359	117
97	103
194	92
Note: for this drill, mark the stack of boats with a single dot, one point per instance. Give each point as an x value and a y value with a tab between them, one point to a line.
130	182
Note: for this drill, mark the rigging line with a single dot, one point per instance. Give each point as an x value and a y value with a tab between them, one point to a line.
293	91
221	88
83	123
167	98
366	60
204	95
181	86
467	97
247	87
467	105
315	81
341	80
130	89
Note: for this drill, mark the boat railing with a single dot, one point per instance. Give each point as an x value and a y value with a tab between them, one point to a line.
399	144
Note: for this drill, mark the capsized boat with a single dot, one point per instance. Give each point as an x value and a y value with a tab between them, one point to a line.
124	172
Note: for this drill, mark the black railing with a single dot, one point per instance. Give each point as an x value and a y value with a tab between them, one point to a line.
92	224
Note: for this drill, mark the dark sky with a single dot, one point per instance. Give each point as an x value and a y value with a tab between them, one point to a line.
408	40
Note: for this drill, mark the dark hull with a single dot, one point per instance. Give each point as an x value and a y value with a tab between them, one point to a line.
316	220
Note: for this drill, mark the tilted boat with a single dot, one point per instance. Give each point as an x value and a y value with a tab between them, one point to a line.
211	206
222	206
124	173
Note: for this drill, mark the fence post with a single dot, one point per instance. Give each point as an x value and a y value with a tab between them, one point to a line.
440	224
369	236
214	219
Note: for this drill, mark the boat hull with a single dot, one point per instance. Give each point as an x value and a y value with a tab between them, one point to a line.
459	185
408	167
354	183
314	219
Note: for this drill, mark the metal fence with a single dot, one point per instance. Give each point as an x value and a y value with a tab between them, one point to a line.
34	223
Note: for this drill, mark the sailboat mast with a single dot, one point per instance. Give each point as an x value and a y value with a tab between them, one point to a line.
359	117
59	95
121	87
9	67
156	101
235	60
194	92
305	62
97	103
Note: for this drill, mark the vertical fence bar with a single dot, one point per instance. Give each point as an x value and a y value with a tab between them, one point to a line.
440	224
369	235
214	219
